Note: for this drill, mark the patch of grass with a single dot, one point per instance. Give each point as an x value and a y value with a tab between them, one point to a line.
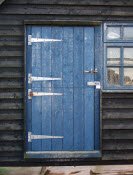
4	171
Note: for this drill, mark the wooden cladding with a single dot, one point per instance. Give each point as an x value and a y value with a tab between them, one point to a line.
117	128
67	10
74	2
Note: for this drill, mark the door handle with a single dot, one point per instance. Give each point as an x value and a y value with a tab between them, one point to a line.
91	71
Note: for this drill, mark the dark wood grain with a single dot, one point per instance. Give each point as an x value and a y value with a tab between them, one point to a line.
118	155
11	83
118	145
66	10
117	125
124	113
11	136
115	134
75	2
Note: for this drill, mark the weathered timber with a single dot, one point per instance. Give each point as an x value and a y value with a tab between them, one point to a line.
74	2
118	145
11	105
11	115
11	125
11	136
12	62
118	155
5	43
11	83
11	95
11	53
116	134
11	31
59	10
12	147
118	103
118	124
115	114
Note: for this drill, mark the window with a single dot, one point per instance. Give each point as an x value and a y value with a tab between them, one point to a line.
118	49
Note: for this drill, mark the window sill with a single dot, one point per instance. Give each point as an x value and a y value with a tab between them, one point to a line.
118	90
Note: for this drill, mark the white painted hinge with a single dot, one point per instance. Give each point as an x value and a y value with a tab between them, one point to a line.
39	94
33	78
34	40
38	137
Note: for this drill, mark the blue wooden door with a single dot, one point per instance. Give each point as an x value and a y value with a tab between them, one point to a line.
60	105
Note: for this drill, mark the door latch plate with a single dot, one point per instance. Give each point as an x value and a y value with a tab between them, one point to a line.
94	83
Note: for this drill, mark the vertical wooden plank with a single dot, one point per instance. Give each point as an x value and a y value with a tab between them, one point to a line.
98	64
28	86
36	86
78	89
68	57
46	87
89	91
57	33
78	51
57	113
68	88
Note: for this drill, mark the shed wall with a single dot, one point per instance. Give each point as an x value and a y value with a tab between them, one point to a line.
117	108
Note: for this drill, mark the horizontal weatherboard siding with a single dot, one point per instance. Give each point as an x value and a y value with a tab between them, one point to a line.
117	128
75	2
66	10
117	108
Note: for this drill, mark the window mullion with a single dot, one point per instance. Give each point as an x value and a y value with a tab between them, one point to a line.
121	67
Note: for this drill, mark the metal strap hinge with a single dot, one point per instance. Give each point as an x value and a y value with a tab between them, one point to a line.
39	94
38	137
33	78
34	40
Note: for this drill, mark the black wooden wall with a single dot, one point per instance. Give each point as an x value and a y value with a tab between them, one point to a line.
117	108
117	119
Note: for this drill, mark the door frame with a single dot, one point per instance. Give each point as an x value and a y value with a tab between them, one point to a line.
97	153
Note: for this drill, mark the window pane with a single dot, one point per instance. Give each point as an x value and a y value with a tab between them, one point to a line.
113	55
113	76
128	76
128	33
128	56
113	33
